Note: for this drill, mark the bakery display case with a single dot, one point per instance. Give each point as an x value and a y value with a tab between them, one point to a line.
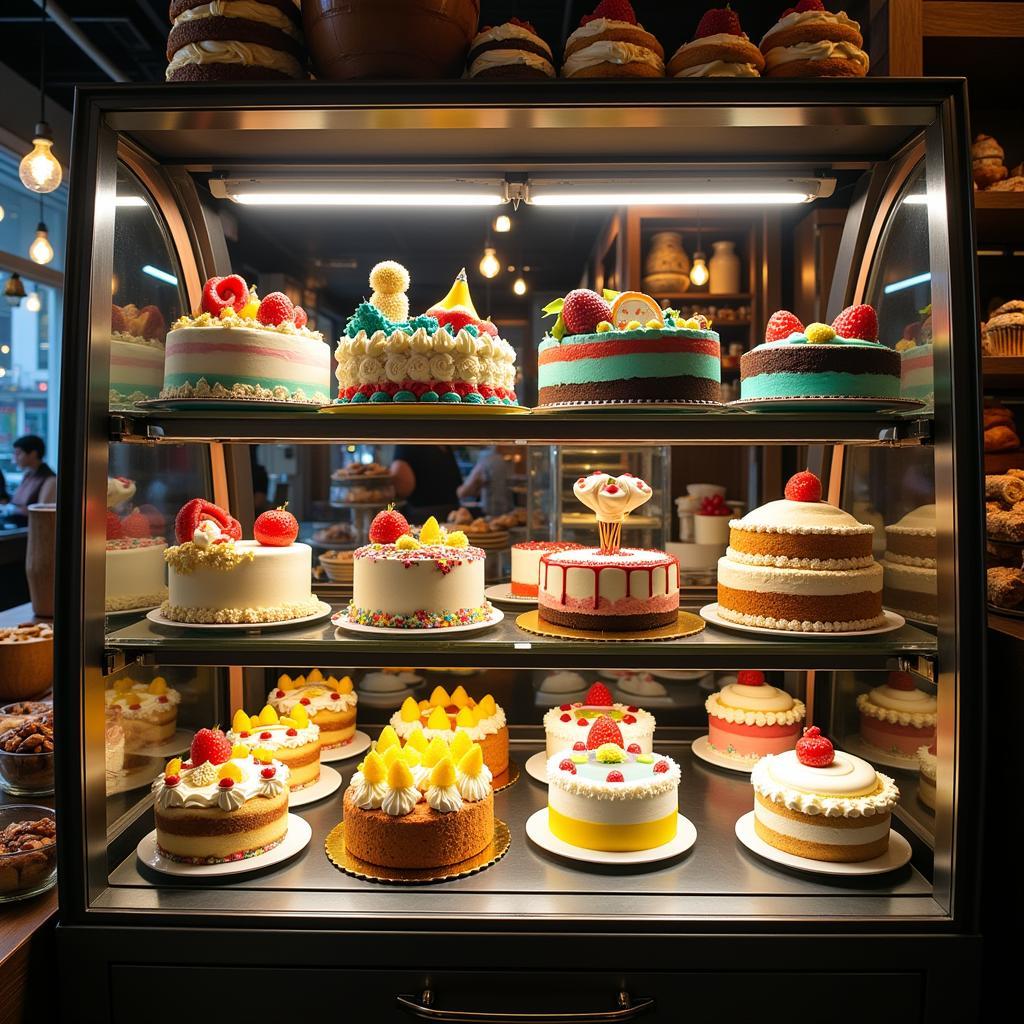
535	932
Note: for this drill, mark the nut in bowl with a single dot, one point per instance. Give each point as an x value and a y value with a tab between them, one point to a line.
26	757
28	851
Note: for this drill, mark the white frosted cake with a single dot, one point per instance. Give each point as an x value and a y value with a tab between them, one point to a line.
136	354
330	702
526	558
911	580
567	726
148	711
292	739
135	576
897	718
927	766
748	719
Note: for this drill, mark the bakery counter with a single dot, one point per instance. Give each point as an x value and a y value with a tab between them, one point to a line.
505	645
717	878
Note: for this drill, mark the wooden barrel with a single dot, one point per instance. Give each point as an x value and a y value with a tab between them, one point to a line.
40	557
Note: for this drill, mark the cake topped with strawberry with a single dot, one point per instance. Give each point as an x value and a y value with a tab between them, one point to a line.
610	43
511	51
135	551
136	354
719	49
239	347
841	360
618	347
567	726
749	718
449	355
810	42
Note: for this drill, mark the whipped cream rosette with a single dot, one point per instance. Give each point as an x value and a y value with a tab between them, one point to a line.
611	499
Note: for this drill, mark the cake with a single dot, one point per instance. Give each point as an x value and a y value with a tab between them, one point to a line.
822	803
802	565
449	355
114	741
149	711
748	719
235	40
135	576
911	579
625	348
434	581
719	49
611	44
136	354
609	588
819	361
897	718
216	577
567	726
239	348
292	739
927	766
526	557
512	51
410	809
917	358
810	42
330	702
216	807
608	798
443	713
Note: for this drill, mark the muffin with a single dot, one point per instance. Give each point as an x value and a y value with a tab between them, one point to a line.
512	52
611	44
987	165
1005	329
719	49
810	42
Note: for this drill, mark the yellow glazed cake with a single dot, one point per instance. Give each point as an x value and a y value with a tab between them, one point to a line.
292	739
149	711
330	702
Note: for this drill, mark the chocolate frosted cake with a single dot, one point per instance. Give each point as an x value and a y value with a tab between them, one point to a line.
509	51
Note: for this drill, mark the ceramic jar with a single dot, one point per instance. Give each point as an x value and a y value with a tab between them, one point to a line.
724	267
667	266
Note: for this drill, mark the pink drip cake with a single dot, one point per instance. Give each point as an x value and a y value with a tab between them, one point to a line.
748	719
897	718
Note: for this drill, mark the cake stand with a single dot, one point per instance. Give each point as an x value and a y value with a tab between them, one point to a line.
502	594
628	405
709	613
156	617
353	747
686	624
701	747
822	403
340	619
227	405
328	783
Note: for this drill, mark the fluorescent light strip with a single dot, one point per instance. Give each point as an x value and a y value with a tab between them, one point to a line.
160	275
368	199
130	201
907	282
916	199
671	199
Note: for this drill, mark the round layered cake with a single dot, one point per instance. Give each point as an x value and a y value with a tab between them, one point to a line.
911	580
149	711
330	702
512	51
526	558
719	49
293	740
748	719
897	718
814	43
611	43
567	726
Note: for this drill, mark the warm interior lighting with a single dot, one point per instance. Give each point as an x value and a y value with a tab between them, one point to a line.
3	213
40	251
490	265
14	291
364	199
519	286
678	191
130	201
33	303
502	223
160	275
907	282
916	199
422	192
5	350
40	170
699	271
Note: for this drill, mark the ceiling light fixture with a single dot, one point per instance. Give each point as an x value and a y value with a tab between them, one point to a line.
490	265
160	275
360	192
40	170
41	251
33	304
677	191
14	290
502	223
519	286
907	282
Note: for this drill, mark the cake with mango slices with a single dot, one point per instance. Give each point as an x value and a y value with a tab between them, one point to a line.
810	42
443	714
291	739
149	711
330	702
800	565
897	718
238	347
216	807
622	347
424	805
610	43
748	719
844	360
822	803
719	49
606	797
567	726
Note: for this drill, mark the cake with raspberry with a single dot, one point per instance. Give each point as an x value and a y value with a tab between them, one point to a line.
134	573
810	42
216	577
136	354
237	347
800	565
927	767
844	360
821	803
622	347
442	714
897	718
606	797
526	557
748	719
911	578
567	726
148	711
424	805
331	703
510	52
719	49
449	355
610	43
220	805
292	739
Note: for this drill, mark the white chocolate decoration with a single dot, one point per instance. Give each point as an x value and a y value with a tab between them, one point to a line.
611	498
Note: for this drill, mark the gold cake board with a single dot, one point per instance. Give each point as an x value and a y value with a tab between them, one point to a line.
509	777
687	624
334	846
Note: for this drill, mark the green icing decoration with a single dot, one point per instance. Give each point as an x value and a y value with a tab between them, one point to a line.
359	397
472	329
494	400
645	758
370	319
380	396
450	398
428	396
404	396
474	398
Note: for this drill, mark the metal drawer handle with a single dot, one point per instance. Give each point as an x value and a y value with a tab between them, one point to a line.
422	1006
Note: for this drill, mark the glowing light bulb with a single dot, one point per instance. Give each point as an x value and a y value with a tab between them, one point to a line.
519	286
490	265
33	303
502	223
699	270
3	213
40	251
40	170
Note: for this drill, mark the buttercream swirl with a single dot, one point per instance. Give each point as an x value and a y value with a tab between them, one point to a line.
399	802
913	708
719	69
820	49
275	736
474	787
786	562
810	18
318	697
611	498
367	796
200	787
788	710
608	51
927	763
250	10
445	799
231	51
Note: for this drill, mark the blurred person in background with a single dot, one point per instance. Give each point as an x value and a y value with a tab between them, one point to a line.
427	478
38	481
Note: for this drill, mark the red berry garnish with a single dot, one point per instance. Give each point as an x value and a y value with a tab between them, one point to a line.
161	699
632	710
599	696
660	768
629	719
299	317
612	489
387	526
265	735
565	707
604	730
859	322
279	693
566	765
579	745
750	677
335	696
565	718
634	748
781	325
210	745
172	780
244	735
226	783
221	292
613	10
582	721
269	772
583	310
292	732
304	701
804	486
615	776
193	512
135	524
113	526
719	19
901	681
276	528
275	309
134	707
815	750
809	5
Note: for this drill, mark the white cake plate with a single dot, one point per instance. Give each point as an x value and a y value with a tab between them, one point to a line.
181	740
328	783
226	405
160	620
537	829
339	619
502	593
126	782
130	611
709	613
895	857
701	747
296	839
359	742
537	766
874	755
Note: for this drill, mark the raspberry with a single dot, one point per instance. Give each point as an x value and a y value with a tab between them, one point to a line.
305	701
860	322
629	720
135	524
114	531
565	718
276	528
275	309
579	745
335	696
613	10
161	699
804	486
210	745
634	748
268	773
567	766
660	768
292	732
583	310
387	526
226	783
193	512
781	325
219	293
815	750
604	730
598	696
244	735
299	317
265	735
632	710
279	693
615	777
750	677
718	19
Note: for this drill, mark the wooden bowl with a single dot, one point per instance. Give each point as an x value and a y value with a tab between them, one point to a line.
26	662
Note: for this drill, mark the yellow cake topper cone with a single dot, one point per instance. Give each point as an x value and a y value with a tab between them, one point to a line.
488	707
240	721
284	682
436	750
465	718
472	761
344	685
458	296
374	769
268	716
391	755
239	750
460	698
443	773
431	532
263	755
230	770
411	756
439	698
299	716
410	710
173	767
417	741
315	676
460	744
399	775
158	686
439	719
387	738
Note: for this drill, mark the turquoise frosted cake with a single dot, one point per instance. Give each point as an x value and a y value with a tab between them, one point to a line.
842	361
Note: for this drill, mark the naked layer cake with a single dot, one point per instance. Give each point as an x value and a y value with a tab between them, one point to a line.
610	43
567	726
511	51
719	49
748	719
810	42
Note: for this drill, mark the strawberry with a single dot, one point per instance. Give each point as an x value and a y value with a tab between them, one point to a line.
387	526
714	505
566	765
299	317
565	718
628	720
268	772
750	677
579	745
114	531
276	528
719	19
901	681
135	524
613	10
809	5
221	292
598	696
660	768
634	748
803	486
210	745
615	777
157	523
604	730
522	24
781	325
583	310
565	707
292	732
193	512
860	322
582	722
275	309
226	783
815	750
172	780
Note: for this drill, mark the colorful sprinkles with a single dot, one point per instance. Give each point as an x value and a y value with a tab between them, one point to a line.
421	619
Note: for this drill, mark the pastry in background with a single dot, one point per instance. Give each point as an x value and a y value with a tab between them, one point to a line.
1004	329
810	42
719	49
611	44
1005	587
987	165
512	51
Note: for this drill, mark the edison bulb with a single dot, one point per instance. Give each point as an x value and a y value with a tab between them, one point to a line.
699	270
40	170
490	265
519	286
40	251
3	213
502	223
33	303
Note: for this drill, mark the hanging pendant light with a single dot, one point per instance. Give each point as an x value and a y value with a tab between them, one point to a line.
519	286
40	170
14	290
699	271
33	304
490	265
41	251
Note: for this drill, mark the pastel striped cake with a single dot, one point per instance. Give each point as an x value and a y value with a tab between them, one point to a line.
917	371
748	719
136	353
911	579
821	803
897	718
